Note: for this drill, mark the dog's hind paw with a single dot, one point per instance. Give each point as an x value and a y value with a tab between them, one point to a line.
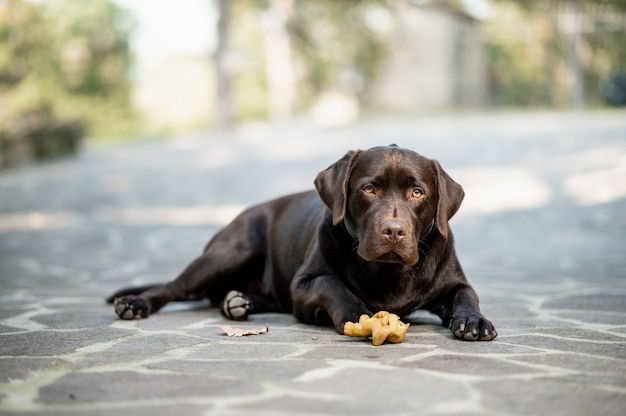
131	307
236	306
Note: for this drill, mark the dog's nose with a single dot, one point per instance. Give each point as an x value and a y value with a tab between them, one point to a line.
393	230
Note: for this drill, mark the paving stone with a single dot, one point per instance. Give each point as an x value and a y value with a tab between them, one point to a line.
618	329
368	384
605	318
547	343
461	364
580	333
528	323
308	336
304	406
126	385
75	316
447	342
499	309
606	381
142	409
50	343
6	329
136	349
386	354
550	396
244	369
243	350
583	364
12	368
600	302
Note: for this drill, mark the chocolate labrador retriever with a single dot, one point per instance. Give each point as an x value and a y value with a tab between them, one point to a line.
373	237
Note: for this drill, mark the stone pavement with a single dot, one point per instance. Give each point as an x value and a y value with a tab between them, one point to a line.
541	235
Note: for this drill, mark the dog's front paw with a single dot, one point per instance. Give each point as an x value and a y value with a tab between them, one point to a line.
131	307
236	306
473	327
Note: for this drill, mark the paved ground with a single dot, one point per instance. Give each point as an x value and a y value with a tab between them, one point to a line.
542	236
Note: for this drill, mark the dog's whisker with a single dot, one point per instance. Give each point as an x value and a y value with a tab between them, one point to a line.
423	244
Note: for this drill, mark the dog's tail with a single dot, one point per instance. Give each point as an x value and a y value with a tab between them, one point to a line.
134	290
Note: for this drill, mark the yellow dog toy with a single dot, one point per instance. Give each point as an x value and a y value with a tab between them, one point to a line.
382	326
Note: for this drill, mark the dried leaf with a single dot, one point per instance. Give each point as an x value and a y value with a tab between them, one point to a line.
238	332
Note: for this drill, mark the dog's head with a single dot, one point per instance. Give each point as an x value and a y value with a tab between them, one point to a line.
388	198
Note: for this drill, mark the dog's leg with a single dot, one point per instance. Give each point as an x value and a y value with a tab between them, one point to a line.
192	284
132	290
461	314
321	299
234	259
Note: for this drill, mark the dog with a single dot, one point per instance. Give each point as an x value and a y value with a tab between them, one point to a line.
373	236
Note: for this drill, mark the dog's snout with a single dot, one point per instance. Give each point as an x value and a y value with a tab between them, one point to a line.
393	230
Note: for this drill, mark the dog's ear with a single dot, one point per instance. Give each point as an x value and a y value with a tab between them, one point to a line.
450	197
332	185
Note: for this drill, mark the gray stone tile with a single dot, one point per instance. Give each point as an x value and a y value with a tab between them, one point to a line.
126	385
370	384
549	397
547	343
243	350
245	369
138	348
448	343
589	370
503	325
386	354
597	317
598	379
620	329
500	311
290	405
579	333
162	409
76	316
5	329
597	302
21	368
49	343
308	335
460	364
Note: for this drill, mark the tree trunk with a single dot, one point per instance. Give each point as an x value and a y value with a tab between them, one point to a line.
572	26
224	106
278	60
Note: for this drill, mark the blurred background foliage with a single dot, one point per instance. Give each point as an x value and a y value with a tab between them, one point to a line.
555	53
68	68
345	55
331	46
64	70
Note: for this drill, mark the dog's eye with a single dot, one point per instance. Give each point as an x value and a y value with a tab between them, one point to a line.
368	189
417	192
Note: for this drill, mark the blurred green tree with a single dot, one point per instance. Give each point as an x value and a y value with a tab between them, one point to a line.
327	44
555	53
62	65
343	49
